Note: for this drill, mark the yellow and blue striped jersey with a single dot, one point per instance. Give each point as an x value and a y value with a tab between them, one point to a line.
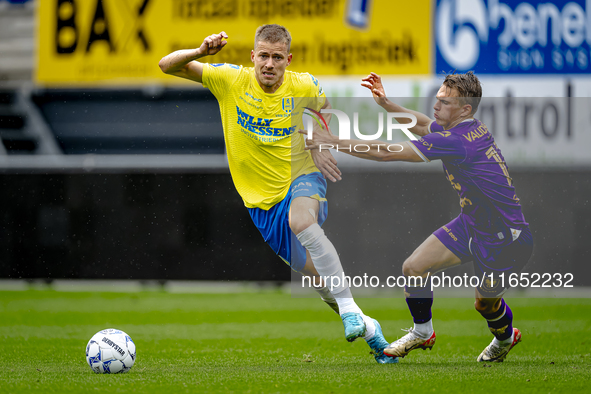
265	150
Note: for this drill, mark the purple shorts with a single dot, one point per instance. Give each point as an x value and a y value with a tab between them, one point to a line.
488	259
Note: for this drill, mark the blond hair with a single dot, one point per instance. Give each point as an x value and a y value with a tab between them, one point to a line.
272	34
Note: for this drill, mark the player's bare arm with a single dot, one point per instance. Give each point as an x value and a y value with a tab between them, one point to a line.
370	150
374	83
323	159
183	63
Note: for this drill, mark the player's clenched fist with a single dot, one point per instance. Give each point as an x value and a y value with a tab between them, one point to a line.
213	44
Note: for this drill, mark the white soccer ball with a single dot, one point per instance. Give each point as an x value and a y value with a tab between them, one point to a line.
110	351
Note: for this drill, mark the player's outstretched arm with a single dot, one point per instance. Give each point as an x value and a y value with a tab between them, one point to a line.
374	83
371	150
183	63
323	159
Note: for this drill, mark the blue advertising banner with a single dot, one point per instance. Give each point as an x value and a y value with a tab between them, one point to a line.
513	36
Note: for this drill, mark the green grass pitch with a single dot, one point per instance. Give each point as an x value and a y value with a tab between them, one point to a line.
270	342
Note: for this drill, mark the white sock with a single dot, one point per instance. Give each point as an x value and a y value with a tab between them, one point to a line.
504	342
424	330
327	263
346	302
370	327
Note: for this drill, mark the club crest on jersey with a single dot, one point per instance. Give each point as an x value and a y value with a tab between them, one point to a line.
287	104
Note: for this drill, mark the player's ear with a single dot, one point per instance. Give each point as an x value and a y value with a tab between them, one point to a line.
289	59
466	110
252	55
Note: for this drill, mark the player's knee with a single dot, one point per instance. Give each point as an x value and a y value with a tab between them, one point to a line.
410	268
299	224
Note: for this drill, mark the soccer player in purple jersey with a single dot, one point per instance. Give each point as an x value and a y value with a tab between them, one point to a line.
490	230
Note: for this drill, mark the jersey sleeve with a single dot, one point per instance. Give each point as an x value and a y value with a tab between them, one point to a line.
219	77
317	92
443	145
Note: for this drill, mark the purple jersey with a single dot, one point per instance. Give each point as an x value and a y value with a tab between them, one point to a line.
476	169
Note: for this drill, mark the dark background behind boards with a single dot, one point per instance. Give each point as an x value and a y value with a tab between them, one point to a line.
195	226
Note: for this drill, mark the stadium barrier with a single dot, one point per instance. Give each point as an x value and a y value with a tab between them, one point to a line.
194	226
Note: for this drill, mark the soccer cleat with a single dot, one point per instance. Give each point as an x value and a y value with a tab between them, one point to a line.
496	354
409	342
377	344
354	325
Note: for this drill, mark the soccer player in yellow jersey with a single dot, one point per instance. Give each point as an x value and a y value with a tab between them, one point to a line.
281	183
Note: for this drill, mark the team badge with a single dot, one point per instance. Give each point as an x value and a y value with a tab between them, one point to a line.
490	285
287	105
498	331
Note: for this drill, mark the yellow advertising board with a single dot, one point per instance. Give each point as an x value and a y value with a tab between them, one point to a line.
119	42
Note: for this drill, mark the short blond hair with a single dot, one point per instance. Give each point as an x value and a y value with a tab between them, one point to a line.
272	34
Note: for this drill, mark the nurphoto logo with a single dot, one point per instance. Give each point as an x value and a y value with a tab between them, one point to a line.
345	128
